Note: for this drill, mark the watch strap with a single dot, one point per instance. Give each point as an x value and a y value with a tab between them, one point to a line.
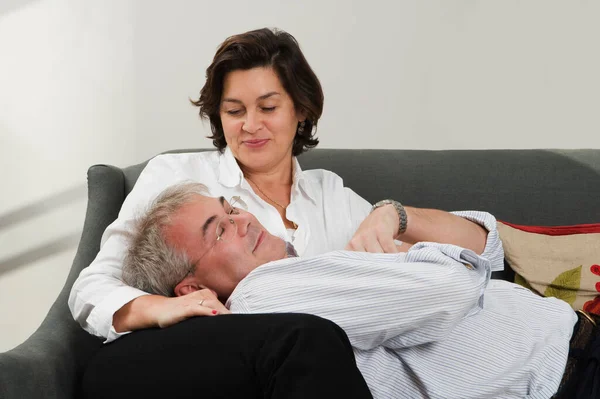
402	216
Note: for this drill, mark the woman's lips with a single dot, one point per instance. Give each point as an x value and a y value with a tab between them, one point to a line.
255	143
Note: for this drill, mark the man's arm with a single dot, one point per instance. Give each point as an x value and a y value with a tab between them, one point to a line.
374	297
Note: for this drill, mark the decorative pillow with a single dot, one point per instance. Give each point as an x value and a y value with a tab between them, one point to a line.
559	261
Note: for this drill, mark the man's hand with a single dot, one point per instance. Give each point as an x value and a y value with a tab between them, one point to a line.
377	232
158	311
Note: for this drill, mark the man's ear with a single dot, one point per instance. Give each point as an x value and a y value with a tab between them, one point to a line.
188	285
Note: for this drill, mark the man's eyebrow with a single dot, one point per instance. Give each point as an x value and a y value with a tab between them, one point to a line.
263	97
211	219
206	225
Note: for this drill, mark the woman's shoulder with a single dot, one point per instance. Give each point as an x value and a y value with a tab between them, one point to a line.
183	157
185	162
322	177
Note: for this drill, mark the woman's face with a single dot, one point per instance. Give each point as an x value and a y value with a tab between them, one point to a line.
259	118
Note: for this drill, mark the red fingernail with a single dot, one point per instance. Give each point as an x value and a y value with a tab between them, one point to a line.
214	312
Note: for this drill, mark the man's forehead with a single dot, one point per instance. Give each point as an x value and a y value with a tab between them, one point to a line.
199	207
192	216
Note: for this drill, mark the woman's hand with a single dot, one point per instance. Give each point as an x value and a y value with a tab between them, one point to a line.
377	232
198	303
158	311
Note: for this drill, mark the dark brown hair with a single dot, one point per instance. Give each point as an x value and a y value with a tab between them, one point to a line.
264	48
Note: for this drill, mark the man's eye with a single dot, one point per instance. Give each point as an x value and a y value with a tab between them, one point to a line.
220	231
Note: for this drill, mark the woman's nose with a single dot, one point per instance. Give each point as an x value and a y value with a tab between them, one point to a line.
253	123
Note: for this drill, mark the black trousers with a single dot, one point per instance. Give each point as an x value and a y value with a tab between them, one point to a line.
581	379
585	381
229	356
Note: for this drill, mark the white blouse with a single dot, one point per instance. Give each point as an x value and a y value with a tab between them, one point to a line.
326	212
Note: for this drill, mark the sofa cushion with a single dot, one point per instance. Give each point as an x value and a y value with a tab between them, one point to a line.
558	261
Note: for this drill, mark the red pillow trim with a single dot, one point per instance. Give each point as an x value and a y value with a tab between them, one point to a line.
557	230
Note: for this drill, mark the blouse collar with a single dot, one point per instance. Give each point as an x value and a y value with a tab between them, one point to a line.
230	174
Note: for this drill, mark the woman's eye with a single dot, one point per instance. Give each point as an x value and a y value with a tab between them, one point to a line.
233	112
268	109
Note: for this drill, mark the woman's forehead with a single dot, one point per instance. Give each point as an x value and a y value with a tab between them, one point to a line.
252	83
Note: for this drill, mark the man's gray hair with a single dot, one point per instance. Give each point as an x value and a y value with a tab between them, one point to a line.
151	263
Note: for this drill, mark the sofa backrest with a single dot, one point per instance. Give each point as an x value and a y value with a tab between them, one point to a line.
538	187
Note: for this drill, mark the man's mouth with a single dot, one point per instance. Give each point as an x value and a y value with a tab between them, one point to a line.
259	240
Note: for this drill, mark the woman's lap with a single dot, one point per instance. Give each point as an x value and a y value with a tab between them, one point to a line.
209	357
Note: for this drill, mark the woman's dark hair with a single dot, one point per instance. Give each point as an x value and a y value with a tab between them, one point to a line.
264	48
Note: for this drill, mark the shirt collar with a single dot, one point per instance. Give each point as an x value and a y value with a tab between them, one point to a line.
230	174
300	180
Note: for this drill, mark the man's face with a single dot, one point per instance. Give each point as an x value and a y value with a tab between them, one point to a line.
222	263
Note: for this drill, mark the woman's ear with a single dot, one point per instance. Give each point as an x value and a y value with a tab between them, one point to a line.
188	285
300	115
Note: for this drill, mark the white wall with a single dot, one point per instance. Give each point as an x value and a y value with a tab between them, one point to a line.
85	82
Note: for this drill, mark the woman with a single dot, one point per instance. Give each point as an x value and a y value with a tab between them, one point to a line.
263	102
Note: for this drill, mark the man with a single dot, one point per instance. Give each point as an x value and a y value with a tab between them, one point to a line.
427	323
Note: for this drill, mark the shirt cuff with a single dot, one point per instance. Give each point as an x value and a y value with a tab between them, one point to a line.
113	335
493	250
478	266
101	318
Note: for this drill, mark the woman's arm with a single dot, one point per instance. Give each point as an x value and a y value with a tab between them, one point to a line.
98	294
379	229
432	225
149	311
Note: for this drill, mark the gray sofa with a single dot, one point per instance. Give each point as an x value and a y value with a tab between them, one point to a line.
539	187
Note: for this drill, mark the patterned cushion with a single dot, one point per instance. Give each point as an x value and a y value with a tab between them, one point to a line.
558	261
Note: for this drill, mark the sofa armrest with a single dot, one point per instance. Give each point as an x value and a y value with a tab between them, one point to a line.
49	364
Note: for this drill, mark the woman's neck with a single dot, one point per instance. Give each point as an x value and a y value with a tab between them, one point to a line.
280	175
274	185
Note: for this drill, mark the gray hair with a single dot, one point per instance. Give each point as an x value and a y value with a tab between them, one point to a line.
151	264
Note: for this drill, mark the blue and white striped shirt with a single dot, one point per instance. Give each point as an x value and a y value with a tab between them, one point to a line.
428	323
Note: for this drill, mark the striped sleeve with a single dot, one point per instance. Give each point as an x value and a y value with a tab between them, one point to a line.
493	247
378	299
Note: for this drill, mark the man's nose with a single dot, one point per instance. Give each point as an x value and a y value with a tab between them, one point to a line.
253	122
243	221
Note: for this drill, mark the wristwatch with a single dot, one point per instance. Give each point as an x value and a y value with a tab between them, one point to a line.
399	209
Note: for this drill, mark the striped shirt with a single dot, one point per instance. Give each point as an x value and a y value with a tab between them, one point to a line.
428	323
